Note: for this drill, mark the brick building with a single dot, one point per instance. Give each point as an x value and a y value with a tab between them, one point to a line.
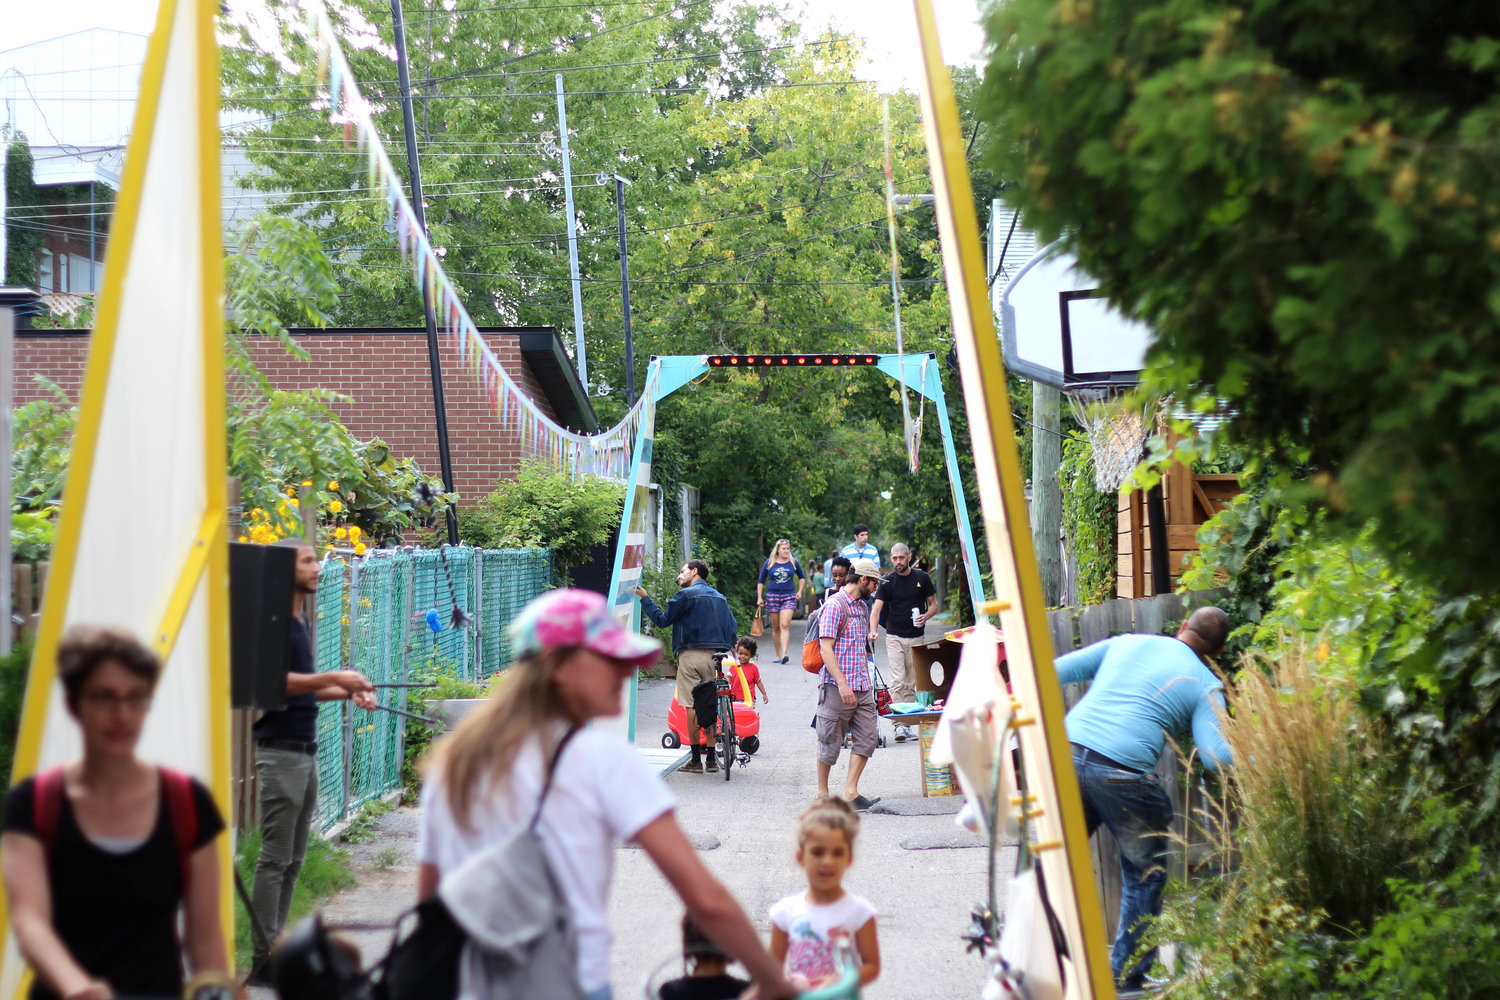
386	373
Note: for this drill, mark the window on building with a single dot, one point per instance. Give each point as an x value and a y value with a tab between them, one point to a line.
44	272
62	272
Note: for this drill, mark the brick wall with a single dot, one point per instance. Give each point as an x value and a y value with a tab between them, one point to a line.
386	373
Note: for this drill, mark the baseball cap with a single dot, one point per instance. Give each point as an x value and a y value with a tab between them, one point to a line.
867	567
570	617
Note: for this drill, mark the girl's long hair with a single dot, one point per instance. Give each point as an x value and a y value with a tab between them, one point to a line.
775	548
482	750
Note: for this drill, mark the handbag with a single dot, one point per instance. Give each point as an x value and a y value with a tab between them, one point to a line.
757	626
812	649
498	927
882	693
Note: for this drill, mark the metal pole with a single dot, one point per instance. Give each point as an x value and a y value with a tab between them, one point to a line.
4	218
439	409
620	183
567	165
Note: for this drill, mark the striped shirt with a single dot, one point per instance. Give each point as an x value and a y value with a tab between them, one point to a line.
865	551
851	649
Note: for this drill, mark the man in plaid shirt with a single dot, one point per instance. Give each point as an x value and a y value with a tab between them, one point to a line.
846	696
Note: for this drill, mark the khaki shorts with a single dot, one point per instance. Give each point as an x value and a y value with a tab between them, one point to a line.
834	717
694	666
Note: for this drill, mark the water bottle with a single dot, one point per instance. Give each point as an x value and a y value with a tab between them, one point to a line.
915	614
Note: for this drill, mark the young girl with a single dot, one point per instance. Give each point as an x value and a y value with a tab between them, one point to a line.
806	926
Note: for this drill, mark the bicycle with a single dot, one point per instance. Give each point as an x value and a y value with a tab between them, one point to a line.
726	739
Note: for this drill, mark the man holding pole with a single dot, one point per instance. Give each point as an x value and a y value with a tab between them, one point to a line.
286	761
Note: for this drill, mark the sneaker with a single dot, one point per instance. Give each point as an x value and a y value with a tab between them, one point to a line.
694	766
901	734
712	764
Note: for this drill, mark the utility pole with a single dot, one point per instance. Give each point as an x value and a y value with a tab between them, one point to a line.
439	409
620	183
562	130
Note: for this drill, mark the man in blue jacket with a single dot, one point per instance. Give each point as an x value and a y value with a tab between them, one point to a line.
702	625
1144	686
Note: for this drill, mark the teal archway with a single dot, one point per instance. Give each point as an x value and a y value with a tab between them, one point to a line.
664	376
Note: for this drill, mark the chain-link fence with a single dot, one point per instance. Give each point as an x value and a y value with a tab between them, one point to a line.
375	614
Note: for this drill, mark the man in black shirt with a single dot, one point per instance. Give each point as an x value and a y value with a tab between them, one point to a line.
286	759
908	599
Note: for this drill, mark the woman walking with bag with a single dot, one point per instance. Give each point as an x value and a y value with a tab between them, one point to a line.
528	757
778	590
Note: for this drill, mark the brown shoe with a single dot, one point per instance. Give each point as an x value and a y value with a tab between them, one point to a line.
693	767
712	764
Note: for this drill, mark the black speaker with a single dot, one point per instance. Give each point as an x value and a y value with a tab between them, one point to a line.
262	579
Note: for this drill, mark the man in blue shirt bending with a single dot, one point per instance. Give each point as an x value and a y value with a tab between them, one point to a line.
1144	686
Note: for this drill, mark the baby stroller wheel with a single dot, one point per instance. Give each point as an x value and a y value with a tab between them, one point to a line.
750	744
670	741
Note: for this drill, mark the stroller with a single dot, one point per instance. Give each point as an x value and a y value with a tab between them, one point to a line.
737	724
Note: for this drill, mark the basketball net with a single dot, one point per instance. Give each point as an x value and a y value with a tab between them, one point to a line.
1118	425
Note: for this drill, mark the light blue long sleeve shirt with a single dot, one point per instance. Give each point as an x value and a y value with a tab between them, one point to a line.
1144	686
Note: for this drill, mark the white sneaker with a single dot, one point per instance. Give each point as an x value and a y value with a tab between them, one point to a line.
902	733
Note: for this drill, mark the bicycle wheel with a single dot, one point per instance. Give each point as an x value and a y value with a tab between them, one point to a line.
726	732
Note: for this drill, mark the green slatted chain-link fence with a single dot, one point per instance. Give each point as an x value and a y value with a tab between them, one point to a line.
372	616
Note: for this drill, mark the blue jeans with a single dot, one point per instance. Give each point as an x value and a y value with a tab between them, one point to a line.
1135	809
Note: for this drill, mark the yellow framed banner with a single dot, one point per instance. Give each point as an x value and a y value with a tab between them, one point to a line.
142	539
1056	827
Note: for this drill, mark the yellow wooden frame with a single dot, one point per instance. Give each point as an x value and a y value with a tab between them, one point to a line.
208	559
1058	819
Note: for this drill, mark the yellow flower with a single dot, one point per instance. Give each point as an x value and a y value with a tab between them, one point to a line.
340	533
359	548
291	491
333	484
244	538
355	532
335	506
307	482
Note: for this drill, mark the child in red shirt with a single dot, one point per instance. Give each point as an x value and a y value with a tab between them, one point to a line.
744	653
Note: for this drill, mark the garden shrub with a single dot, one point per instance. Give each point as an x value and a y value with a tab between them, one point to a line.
445	683
14	667
545	508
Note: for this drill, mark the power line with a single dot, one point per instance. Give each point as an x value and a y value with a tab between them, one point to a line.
539	94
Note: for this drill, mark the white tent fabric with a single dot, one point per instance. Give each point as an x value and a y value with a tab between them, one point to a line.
141	522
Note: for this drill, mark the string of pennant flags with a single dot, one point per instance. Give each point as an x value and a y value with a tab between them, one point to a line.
607	453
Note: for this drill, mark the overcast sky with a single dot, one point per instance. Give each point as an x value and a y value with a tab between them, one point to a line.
889	26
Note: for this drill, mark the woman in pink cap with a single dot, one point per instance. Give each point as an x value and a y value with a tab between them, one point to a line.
485	782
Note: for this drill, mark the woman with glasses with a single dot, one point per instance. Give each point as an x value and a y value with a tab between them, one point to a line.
98	855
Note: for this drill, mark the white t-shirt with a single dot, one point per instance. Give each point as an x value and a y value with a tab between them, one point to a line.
602	793
812	930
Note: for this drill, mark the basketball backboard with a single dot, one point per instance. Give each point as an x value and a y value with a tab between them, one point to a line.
1056	328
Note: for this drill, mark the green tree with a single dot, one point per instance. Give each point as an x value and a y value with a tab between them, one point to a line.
1302	201
23	235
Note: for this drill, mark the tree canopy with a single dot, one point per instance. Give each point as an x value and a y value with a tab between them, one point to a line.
1303	201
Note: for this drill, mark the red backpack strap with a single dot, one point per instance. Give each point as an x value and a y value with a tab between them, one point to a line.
183	813
48	789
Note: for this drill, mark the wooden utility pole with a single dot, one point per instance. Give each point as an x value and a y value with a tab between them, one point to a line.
1046	490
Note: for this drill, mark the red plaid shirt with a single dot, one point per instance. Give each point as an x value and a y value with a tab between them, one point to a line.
851	650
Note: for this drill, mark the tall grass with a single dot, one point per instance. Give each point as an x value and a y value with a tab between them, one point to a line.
1303	840
1313	789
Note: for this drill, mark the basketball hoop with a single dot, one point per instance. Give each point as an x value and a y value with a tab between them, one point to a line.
1118	425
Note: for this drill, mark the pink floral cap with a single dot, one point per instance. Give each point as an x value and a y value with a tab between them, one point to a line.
569	617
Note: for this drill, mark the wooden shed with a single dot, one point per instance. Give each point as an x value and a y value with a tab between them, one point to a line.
1185	500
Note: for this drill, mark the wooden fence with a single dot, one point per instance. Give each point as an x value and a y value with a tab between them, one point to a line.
27	581
1074	628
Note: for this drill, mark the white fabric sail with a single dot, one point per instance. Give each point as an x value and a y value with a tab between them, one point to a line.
142	540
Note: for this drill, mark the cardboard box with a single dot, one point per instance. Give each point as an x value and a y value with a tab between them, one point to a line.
936	664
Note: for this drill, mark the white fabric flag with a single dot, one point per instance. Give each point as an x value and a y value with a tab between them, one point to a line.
142	540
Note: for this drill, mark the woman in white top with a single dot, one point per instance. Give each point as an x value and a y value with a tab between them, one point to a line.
486	777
